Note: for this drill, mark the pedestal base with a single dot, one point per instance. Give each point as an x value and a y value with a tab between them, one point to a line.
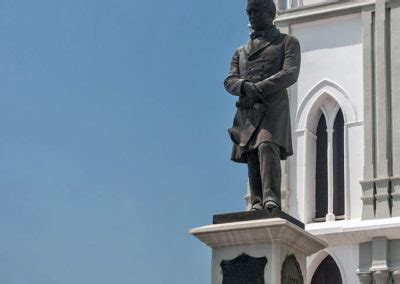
276	239
255	215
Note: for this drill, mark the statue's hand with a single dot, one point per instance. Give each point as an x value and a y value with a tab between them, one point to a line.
251	91
246	101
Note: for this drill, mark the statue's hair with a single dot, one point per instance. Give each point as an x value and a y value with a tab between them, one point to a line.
268	4
271	7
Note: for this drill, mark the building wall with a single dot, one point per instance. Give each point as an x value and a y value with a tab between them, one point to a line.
350	59
331	74
331	67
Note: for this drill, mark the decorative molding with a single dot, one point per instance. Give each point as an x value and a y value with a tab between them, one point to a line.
382	197
259	231
316	97
368	199
320	11
301	132
353	232
386	199
354	124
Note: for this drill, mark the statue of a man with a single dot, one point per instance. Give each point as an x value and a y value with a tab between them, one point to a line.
260	72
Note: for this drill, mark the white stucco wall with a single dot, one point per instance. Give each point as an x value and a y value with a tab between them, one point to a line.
332	49
331	68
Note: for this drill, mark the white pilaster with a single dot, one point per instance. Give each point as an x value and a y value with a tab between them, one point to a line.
395	71
367	184
347	203
381	95
368	49
379	268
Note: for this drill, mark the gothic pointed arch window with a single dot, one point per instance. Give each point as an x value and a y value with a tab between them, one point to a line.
329	169
325	178
327	272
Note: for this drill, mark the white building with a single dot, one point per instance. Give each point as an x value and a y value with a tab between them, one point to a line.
343	181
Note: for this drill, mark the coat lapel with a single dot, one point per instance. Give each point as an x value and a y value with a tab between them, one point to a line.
255	46
259	47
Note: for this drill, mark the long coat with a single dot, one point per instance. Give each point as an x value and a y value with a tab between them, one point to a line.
272	62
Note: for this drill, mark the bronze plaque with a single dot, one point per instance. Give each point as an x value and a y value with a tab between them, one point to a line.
291	272
244	269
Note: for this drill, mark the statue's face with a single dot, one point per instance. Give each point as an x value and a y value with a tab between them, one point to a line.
259	16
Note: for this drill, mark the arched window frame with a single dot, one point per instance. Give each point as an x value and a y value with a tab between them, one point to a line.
325	98
317	260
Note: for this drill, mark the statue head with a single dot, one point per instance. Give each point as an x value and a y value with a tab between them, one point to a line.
261	13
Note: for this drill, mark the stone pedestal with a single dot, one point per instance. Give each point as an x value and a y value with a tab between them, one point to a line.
276	239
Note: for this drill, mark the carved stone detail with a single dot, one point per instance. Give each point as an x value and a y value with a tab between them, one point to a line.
381	276
291	272
368	200
365	278
382	198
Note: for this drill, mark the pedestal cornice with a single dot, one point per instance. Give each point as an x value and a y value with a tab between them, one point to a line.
259	231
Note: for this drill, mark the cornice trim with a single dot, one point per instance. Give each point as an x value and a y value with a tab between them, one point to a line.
298	15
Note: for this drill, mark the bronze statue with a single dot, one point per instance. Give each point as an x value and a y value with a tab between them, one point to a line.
260	72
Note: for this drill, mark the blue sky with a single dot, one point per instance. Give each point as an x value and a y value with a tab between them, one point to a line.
113	140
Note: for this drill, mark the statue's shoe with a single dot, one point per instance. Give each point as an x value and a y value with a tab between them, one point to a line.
271	205
257	206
